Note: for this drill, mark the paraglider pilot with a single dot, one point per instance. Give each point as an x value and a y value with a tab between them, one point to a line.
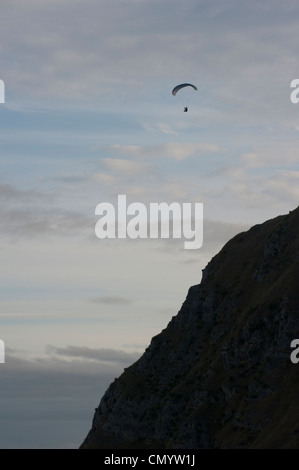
178	87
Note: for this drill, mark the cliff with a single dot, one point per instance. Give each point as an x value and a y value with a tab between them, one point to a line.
219	375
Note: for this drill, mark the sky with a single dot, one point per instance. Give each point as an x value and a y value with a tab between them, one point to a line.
88	116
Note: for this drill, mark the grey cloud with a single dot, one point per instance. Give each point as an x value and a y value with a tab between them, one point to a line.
36	222
32	213
101	355
9	193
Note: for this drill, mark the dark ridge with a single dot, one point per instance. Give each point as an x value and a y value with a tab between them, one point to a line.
220	374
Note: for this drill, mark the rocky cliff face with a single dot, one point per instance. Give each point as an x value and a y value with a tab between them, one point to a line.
220	374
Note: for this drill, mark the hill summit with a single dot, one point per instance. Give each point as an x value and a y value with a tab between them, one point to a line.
219	375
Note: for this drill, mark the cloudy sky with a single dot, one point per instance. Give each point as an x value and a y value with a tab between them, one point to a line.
89	115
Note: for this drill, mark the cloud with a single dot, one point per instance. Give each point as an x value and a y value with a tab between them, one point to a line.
133	150
32	213
281	154
101	355
11	194
173	150
283	186
158	126
179	151
104	178
123	167
36	222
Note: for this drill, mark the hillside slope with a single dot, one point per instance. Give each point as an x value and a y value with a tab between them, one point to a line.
219	375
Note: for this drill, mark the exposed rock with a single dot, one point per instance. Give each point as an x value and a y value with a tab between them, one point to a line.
219	375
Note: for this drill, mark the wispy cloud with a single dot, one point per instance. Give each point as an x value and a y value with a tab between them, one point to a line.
101	355
172	150
158	126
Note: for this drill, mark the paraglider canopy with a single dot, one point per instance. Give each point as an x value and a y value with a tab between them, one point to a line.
178	87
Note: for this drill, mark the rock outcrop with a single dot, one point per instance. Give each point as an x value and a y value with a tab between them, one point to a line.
219	375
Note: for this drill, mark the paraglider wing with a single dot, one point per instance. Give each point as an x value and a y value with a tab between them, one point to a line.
178	87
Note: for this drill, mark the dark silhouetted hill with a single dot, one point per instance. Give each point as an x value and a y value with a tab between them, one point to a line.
220	374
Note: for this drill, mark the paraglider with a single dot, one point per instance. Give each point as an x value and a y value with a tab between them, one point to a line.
179	87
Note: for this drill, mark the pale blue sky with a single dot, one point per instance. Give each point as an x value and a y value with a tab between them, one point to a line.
89	115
